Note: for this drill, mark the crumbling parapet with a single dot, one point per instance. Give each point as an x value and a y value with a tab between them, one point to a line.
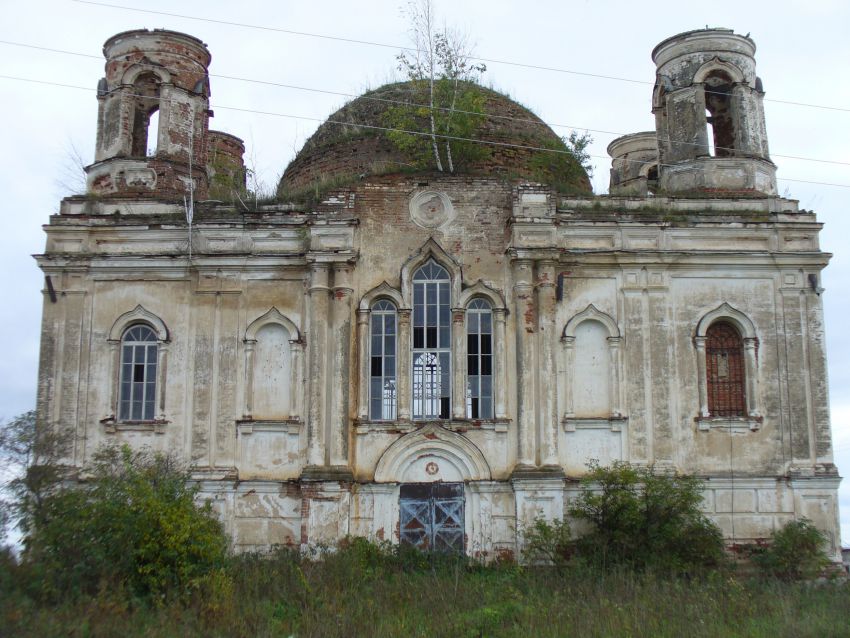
152	72
634	164
225	165
709	114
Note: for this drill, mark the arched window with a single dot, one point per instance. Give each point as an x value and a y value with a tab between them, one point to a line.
383	402
724	350
479	360
137	398
431	342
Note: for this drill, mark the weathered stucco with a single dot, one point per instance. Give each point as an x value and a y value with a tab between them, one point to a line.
599	309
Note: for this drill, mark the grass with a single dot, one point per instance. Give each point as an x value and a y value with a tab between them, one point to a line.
365	590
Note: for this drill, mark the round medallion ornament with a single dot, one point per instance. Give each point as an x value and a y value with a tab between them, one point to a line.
431	209
432	468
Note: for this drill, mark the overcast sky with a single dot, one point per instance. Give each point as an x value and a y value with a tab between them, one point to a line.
803	53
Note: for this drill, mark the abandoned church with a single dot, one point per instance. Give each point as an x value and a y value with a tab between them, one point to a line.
435	358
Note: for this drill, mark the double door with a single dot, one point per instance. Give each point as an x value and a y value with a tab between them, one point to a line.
431	516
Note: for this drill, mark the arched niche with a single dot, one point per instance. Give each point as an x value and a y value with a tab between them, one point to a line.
273	315
591	341
273	355
592	312
455	457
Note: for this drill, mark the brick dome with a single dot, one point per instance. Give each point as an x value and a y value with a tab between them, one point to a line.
344	149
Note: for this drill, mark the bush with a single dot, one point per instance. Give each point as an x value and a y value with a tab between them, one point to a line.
548	542
132	524
640	518
795	551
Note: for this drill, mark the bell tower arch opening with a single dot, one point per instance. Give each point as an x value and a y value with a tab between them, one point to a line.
719	109
146	92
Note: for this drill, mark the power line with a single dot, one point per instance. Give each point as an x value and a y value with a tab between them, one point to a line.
396	130
405	48
438	108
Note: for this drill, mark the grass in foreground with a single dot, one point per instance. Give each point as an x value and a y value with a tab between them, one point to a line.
365	590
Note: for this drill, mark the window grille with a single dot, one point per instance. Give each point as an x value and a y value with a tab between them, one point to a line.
431	342
725	370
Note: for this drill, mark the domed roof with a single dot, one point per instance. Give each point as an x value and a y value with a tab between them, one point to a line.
354	142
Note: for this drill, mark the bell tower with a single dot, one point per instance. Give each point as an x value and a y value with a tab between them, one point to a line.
709	115
153	117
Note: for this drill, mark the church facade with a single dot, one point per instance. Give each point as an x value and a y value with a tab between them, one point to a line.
436	359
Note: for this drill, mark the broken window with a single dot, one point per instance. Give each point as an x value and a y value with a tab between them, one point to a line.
479	360
146	94
725	370
382	383
431	342
138	374
718	107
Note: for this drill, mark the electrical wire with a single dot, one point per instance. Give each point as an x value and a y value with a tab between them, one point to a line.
398	130
405	48
437	108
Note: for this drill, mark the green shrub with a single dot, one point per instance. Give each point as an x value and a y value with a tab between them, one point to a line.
795	551
640	518
132	525
548	542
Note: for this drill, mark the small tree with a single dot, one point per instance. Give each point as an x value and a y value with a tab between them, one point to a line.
642	518
795	551
443	76
133	523
548	542
578	145
30	457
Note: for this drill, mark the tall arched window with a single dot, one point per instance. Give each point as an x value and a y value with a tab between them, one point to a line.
724	349
431	342
383	402
137	397
479	360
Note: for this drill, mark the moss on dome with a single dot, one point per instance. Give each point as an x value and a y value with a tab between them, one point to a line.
351	143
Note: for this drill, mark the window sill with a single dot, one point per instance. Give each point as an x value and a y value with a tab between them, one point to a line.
499	426
246	427
112	425
612	423
738	424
